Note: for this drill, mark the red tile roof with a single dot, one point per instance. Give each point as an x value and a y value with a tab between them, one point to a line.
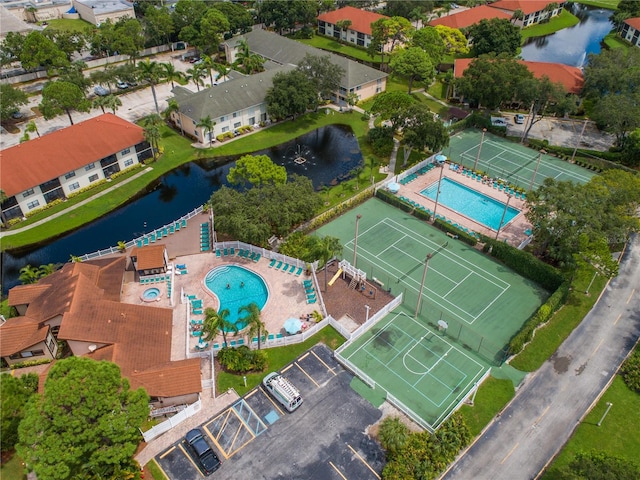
20	335
570	77
633	22
466	18
361	20
149	257
50	156
527	6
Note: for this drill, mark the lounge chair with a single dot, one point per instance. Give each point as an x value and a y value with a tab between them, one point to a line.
196	311
299	271
217	252
257	257
216	346
172	229
165	232
279	335
311	300
233	343
271	337
279	265
272	262
204	248
240	342
182	266
197	333
196	303
232	252
285	268
225	252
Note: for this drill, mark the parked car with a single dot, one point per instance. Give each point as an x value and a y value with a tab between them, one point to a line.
202	451
519	118
101	91
122	85
17	115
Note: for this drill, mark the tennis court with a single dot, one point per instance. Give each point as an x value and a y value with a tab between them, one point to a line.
512	162
483	303
422	369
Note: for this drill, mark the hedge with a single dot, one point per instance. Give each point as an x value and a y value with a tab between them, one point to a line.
541	316
525	264
461	234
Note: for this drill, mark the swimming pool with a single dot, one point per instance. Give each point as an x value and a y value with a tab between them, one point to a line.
470	203
150	294
236	287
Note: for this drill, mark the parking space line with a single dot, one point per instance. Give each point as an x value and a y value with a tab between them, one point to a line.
309	376
160	467
322	362
274	403
363	461
251	393
190	459
286	368
338	471
303	356
168	452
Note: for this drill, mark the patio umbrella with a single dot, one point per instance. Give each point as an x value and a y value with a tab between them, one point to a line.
393	187
441	158
292	325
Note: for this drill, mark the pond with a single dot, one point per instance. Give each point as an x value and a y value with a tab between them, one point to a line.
571	46
330	153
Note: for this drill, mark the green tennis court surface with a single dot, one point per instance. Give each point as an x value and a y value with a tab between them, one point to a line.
513	162
424	370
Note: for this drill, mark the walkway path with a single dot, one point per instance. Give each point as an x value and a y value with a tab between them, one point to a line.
73	207
531	430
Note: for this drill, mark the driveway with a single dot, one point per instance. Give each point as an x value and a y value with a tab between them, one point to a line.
532	429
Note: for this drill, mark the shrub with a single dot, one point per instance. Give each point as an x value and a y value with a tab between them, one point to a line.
630	371
461	234
29	363
242	359
381	140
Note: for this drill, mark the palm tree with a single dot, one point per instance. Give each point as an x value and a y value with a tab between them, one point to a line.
47	269
208	65
356	172
207	127
151	124
517	15
171	74
196	74
29	274
32	127
254	322
214	321
393	434
99	102
173	107
324	249
151	72
113	103
222	70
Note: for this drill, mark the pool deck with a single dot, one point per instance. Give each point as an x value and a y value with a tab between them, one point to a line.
513	232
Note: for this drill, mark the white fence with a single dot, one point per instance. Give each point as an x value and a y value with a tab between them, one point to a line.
131	243
168	424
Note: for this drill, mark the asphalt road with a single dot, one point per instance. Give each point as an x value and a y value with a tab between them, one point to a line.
546	409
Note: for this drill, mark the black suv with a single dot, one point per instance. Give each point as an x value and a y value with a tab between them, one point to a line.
209	461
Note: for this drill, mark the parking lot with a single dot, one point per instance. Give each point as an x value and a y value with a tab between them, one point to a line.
323	439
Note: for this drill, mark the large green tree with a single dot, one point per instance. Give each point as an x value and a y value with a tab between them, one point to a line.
599	466
454	40
545	97
85	423
257	328
324	75
413	63
15	393
158	25
212	25
324	249
62	97
240	20
421	130
254	215
128	37
11	99
40	51
257	170
11	48
292	94
497	35
429	40
387	34
390	105
286	15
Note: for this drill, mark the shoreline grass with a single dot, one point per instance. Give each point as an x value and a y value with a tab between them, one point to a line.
564	20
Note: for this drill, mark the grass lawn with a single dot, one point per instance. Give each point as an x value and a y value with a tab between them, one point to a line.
564	20
332	45
549	337
70	25
492	396
178	151
608	4
617	435
13	469
155	470
613	40
278	358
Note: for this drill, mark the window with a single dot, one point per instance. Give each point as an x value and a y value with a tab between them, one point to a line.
93	178
222	119
237	124
52	345
225	129
69	175
27	193
32	353
235	114
74	186
32	205
128	162
91	166
126	151
252	121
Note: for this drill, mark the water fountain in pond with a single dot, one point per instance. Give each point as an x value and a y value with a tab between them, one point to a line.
299	155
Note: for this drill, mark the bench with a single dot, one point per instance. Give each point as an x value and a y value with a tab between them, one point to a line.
377	282
452	235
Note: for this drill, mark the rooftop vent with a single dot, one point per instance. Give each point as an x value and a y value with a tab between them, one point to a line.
92	348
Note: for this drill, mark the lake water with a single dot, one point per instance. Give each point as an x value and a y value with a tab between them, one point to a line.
330	154
571	46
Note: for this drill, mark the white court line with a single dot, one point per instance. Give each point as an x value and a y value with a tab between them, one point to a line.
456	285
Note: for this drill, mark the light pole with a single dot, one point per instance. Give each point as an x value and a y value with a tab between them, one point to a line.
424	276
438	191
584	126
367	307
355	241
609	405
504	213
475	164
535	172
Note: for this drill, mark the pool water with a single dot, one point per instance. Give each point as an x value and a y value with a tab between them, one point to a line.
151	294
244	287
470	203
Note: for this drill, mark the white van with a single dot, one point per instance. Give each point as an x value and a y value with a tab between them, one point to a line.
283	391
